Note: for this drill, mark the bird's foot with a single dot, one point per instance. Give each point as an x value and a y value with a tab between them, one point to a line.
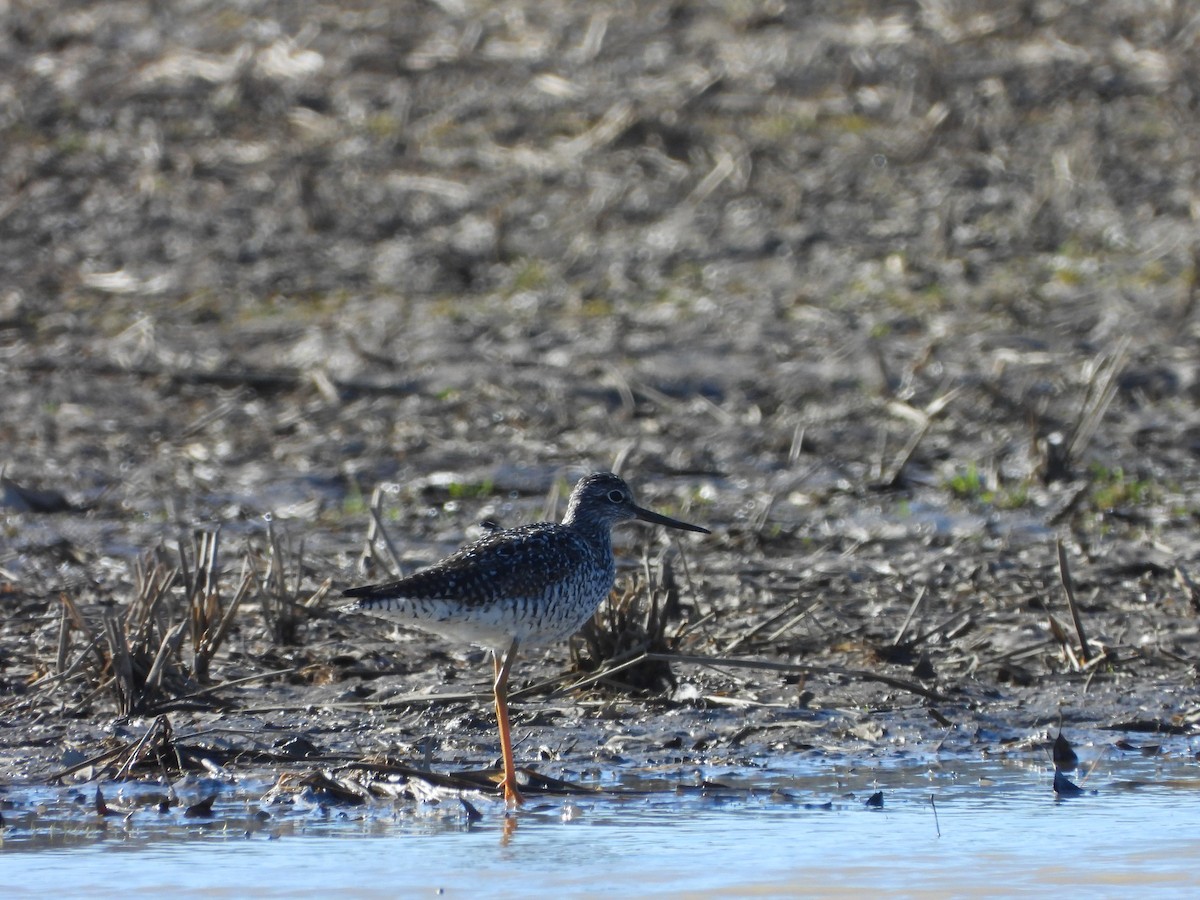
512	796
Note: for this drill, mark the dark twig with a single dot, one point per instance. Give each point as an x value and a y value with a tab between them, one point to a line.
160	728
947	622
766	623
801	669
77	621
926	417
912	611
1101	389
376	531
794	620
1068	584
122	665
1063	452
64	635
103	756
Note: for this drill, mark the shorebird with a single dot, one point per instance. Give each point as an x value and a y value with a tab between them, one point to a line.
528	585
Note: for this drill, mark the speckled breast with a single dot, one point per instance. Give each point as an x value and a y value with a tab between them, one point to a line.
566	605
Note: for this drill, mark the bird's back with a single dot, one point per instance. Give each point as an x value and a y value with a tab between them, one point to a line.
535	583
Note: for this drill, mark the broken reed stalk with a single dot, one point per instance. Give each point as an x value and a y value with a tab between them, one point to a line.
93	647
945	624
628	660
140	641
212	638
925	419
895	480
283	610
138	650
376	533
209	623
912	611
1059	634
64	641
766	623
1064	571
278	600
78	622
794	621
234	682
1101	389
144	616
137	654
128	695
134	752
200	585
167	650
1061	456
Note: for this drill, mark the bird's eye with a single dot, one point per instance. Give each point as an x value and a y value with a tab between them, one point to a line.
616	496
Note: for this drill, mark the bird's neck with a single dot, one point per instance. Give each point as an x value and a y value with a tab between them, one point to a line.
597	534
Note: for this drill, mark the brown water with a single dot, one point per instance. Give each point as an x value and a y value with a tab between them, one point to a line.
994	827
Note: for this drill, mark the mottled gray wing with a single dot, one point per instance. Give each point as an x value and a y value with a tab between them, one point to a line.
519	562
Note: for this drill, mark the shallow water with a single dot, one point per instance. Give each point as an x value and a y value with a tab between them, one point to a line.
994	827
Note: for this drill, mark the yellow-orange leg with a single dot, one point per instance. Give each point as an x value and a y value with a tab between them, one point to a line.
511	795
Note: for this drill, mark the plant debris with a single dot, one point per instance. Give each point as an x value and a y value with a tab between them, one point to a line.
900	302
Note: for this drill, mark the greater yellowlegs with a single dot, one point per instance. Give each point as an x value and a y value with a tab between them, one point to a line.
528	585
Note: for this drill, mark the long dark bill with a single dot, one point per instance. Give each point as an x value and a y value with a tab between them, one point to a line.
647	516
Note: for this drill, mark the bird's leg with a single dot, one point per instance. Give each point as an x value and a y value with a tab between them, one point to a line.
511	795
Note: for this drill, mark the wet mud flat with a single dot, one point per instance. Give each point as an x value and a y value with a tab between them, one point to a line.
899	302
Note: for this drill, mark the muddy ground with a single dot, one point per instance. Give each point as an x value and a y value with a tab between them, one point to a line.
898	299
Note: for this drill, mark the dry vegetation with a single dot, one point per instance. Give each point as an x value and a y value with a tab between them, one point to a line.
899	299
